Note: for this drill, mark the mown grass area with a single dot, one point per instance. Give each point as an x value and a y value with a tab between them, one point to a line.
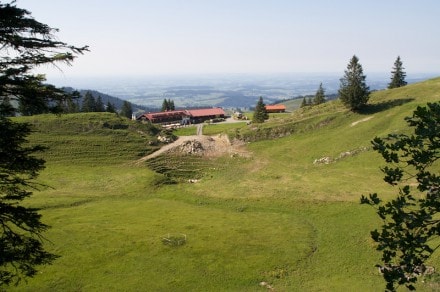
186	131
91	138
210	129
275	216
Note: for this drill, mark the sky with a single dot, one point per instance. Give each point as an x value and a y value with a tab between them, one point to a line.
147	38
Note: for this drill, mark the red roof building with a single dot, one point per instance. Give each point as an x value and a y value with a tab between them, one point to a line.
164	117
276	108
201	115
193	116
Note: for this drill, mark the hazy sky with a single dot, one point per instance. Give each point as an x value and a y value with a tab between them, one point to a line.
135	37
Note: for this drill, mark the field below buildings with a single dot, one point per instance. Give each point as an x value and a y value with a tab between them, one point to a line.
277	218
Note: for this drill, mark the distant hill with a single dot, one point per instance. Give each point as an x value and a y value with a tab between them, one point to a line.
117	102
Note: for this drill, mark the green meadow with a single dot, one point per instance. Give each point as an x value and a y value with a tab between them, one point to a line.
274	217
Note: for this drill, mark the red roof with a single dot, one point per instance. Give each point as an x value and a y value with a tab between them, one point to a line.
276	107
196	113
158	115
206	112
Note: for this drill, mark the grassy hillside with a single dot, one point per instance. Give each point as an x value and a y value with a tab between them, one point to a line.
276	217
90	138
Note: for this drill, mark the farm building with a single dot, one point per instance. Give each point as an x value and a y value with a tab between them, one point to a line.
276	108
201	115
164	117
184	116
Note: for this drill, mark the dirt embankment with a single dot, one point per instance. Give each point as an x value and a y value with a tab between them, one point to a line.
201	145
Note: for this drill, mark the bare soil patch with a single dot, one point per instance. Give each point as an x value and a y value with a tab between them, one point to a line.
210	146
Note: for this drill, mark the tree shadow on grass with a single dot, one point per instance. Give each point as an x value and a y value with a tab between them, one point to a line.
370	109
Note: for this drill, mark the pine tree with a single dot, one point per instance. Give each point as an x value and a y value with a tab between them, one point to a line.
165	105
398	75
33	103
304	102
353	91
89	103
38	97
24	44
171	105
319	96
260	113
71	106
110	107
99	104
126	110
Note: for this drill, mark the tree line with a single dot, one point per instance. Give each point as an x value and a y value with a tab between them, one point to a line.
90	104
353	90
38	99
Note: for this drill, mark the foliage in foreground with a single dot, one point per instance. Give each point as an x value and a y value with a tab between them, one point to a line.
20	228
24	44
410	221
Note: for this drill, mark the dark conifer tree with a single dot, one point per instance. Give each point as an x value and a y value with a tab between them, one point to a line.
110	107
71	106
304	102
99	104
24	44
398	75
171	106
165	105
260	113
33	102
89	103
126	110
319	96
353	91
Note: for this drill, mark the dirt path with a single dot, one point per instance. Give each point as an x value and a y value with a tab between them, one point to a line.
361	121
199	129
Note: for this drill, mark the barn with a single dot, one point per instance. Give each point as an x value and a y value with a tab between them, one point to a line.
276	108
193	116
201	115
164	117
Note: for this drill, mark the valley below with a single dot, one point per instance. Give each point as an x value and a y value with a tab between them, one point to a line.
242	207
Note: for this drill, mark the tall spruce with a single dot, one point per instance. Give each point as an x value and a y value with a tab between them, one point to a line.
260	113
110	107
320	95
165	105
24	45
304	102
398	75
88	103
171	105
126	110
353	91
99	104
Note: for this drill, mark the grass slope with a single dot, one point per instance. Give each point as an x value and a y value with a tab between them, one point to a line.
275	217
